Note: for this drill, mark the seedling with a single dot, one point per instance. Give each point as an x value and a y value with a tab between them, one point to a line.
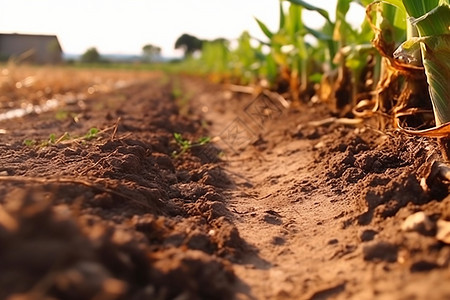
91	134
29	142
185	144
53	140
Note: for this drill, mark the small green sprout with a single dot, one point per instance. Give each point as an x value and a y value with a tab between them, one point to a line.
29	142
91	134
52	139
186	145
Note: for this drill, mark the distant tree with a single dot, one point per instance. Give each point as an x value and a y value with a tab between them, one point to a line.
189	44
91	56
150	52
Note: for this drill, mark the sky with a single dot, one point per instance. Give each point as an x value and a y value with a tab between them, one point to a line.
125	26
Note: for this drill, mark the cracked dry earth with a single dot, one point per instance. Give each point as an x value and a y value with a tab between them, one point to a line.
278	206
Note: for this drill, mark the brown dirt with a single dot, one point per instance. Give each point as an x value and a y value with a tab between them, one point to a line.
275	208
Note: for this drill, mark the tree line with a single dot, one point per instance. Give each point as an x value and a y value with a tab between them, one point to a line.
189	44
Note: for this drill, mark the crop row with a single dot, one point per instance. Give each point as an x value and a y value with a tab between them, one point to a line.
395	65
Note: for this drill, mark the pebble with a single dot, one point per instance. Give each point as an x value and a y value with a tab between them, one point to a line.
443	231
418	222
319	145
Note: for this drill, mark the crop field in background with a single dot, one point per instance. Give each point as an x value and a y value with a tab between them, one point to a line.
24	84
252	169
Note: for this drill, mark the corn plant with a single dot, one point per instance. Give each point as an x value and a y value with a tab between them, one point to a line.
402	88
396	64
389	25
215	59
246	60
429	45
431	19
245	64
329	57
288	49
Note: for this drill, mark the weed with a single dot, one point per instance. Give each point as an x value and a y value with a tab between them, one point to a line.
29	142
91	134
53	140
185	144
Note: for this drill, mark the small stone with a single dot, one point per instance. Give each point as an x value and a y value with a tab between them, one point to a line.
319	145
443	231
418	222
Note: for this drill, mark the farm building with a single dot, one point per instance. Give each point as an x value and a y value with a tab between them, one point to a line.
39	49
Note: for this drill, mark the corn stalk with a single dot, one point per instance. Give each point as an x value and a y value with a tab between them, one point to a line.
429	46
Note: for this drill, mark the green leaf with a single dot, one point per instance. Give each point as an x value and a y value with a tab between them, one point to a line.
92	133
434	22
271	69
315	78
264	29
417	8
308	6
282	16
436	60
52	138
397	3
392	22
203	140
364	3
29	142
342	29
294	22
342	7
178	137
320	35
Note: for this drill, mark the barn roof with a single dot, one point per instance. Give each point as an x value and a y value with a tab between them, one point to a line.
30	35
44	48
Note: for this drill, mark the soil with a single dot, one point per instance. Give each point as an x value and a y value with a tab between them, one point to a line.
283	203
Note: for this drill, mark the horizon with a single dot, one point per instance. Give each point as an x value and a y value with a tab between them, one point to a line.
106	25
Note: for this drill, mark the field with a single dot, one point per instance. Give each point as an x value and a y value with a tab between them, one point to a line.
144	185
